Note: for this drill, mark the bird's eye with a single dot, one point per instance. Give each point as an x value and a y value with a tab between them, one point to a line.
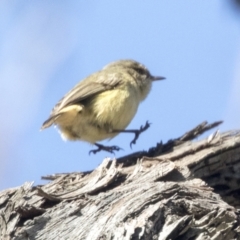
140	71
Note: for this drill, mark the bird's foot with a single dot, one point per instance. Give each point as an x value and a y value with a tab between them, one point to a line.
138	132
101	147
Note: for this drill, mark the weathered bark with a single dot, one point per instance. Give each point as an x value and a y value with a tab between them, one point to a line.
178	190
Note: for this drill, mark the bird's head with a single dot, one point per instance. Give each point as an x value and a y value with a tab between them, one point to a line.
140	73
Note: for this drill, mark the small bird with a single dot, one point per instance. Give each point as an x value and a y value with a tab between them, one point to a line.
103	104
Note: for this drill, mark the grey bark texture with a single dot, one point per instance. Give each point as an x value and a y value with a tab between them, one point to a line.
182	189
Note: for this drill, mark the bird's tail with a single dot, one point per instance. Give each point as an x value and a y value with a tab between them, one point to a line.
49	122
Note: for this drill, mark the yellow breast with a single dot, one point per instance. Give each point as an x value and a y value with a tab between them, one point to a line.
116	107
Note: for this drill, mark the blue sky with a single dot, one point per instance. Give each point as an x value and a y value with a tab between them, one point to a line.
46	47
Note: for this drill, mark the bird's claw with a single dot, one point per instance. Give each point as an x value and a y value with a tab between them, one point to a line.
101	147
138	132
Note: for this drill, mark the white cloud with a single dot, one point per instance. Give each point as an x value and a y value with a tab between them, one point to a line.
35	39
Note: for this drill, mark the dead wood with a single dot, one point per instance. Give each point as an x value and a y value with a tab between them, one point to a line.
181	189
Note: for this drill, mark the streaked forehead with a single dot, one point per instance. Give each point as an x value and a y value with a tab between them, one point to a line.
125	63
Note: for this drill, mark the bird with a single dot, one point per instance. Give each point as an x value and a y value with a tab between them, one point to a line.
103	104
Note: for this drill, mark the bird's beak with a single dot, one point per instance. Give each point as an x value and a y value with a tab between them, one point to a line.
157	78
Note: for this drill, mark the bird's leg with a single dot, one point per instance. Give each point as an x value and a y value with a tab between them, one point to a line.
101	147
137	132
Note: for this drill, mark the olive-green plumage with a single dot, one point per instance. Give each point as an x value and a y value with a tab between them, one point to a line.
103	102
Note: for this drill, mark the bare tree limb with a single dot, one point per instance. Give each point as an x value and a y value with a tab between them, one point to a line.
177	190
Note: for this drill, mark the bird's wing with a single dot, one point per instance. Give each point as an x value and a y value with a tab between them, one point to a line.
94	84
